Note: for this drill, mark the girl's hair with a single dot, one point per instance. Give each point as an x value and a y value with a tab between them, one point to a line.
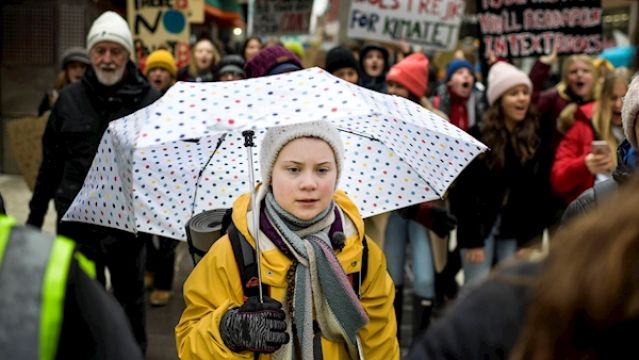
564	72
193	71
61	80
585	303
602	115
495	135
246	43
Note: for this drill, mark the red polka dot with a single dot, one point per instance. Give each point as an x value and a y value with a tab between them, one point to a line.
334	109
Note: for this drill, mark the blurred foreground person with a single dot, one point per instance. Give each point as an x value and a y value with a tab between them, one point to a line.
579	303
326	289
51	306
585	303
111	88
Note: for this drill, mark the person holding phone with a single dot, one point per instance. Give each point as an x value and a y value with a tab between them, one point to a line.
586	152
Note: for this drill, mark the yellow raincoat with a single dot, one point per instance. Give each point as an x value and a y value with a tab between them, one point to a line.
214	286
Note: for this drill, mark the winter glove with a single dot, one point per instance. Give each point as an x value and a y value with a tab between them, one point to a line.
442	222
255	326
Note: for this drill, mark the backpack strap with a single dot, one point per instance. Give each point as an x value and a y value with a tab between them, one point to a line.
358	278
246	263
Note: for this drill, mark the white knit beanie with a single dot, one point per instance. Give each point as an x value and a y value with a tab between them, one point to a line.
110	27
630	111
501	77
276	138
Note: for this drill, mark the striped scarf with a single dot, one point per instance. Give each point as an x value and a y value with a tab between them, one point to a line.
320	281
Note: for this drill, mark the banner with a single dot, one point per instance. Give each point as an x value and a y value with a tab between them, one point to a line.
521	28
281	17
160	24
432	24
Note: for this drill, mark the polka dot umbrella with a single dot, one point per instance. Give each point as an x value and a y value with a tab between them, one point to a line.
185	153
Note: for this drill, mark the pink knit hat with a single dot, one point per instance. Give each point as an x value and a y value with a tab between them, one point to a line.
501	77
630	111
411	73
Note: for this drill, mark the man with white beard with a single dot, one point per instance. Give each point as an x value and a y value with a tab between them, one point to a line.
112	87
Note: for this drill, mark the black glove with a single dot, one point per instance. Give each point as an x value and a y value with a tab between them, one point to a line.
255	326
441	221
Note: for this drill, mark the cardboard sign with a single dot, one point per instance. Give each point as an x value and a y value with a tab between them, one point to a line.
432	24
25	140
160	24
521	28
281	17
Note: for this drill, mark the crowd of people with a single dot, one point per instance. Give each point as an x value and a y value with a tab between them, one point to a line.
554	152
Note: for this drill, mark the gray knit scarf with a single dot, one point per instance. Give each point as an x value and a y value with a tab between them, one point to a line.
320	281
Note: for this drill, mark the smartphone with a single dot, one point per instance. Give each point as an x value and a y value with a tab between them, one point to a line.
600	147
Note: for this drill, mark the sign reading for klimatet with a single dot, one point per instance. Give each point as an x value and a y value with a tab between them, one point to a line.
160	24
282	17
520	28
432	24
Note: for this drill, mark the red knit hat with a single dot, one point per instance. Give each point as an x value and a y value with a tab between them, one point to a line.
411	73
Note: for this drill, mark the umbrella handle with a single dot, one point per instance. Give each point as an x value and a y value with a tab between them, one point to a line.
249	144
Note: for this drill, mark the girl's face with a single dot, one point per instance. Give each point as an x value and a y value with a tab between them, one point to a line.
515	103
304	177
252	48
203	53
374	63
461	82
75	70
348	74
618	91
398	89
580	79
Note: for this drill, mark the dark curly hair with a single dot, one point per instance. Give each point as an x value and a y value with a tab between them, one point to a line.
524	137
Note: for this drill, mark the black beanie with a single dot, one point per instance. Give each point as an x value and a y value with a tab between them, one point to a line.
340	58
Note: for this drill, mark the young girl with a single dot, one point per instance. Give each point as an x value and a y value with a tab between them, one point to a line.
74	62
576	164
500	197
311	244
204	57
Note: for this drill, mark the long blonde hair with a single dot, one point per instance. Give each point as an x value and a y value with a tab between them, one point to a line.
193	71
562	87
602	114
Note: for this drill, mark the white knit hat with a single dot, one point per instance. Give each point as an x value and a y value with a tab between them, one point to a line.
276	138
110	27
501	77
630	111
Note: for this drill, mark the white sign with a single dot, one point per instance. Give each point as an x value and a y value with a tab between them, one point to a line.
432	24
281	17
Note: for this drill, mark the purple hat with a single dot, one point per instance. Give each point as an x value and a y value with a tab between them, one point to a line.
270	61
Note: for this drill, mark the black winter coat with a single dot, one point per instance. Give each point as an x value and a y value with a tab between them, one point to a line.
518	192
73	133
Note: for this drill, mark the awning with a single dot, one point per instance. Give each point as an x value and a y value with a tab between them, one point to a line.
225	13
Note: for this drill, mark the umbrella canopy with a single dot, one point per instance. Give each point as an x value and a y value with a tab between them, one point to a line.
184	154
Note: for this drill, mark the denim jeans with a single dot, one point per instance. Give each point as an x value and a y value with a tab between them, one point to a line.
400	232
500	250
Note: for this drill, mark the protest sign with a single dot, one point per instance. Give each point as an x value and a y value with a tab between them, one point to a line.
281	17
432	24
25	141
521	28
160	24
